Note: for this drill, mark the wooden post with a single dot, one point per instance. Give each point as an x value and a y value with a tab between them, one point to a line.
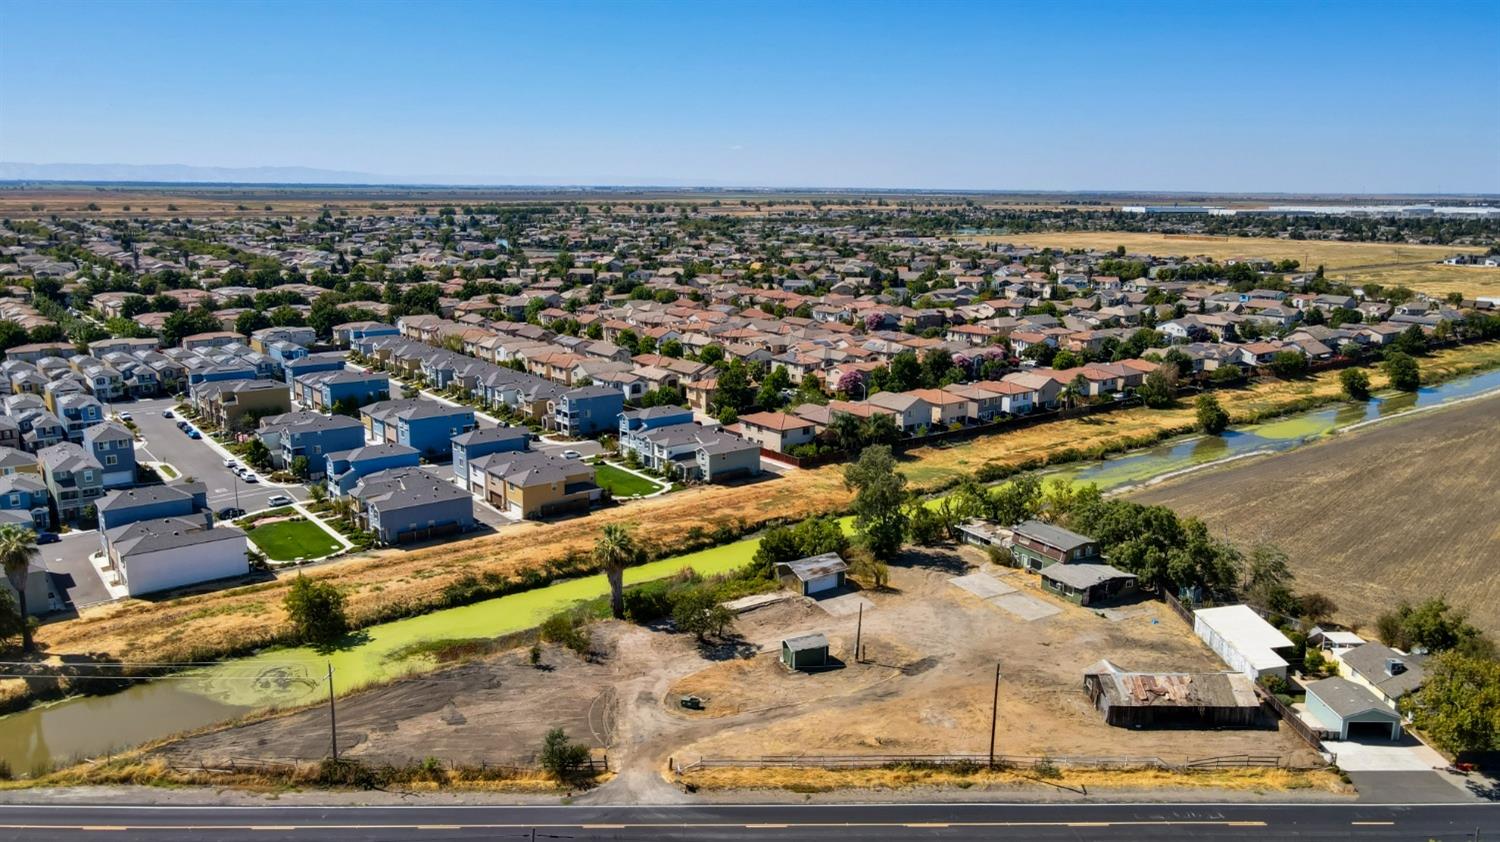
859	628
994	715
333	728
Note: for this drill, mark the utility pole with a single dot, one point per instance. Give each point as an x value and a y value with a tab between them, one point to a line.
333	727
859	628
994	713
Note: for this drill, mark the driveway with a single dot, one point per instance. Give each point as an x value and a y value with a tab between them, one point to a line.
1427	787
1374	755
161	441
74	579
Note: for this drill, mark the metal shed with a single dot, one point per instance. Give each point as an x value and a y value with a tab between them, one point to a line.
804	651
1346	708
813	574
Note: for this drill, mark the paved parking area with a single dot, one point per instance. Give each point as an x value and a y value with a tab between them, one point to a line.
1427	787
163	442
1405	755
73	576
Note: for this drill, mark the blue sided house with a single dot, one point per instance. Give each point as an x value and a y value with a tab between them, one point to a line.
482	441
26	493
114	447
309	434
310	364
587	411
346	469
430	426
179	498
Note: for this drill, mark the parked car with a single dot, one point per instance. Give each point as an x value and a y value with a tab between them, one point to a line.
182	425
571	454
232	465
166	413
125	416
48	537
230	512
194	434
279	500
249	477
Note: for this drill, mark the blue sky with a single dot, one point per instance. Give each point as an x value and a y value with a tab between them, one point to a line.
1301	96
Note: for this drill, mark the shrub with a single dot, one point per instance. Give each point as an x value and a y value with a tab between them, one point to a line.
569	629
562	758
1356	384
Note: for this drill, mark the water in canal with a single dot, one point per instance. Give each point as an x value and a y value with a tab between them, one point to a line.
91	726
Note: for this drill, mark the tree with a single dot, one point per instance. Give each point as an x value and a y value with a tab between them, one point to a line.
1268	579
732	391
13	623
1403	371
1458	705
12	334
1433	625
562	758
187	323
1212	419
614	551
318	492
257	454
1159	390
813	536
250	321
1066	359
865	566
879	498
300	467
696	609
17	551
1316	607
1289	365
1356	384
316	611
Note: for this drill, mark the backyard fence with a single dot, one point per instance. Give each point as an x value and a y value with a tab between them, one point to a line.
1310	735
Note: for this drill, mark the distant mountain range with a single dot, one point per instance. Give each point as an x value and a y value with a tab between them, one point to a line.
181	173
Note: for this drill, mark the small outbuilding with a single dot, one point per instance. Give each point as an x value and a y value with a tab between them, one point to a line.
1349	710
1246	642
1087	584
814	574
805	651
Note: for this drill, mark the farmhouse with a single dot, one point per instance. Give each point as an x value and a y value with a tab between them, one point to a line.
1382	670
1246	642
814	574
1037	545
1131	699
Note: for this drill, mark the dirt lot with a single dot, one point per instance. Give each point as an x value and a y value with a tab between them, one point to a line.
931	649
1415	266
938	645
1400	510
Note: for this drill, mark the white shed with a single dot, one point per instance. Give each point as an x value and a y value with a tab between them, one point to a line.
814	574
1246	642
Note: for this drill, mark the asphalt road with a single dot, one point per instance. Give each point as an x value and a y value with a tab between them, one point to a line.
163	442
1071	821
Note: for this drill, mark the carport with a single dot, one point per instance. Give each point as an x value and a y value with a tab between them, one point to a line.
1350	711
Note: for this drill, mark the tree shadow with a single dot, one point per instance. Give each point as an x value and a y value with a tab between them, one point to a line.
938	558
349	641
729	646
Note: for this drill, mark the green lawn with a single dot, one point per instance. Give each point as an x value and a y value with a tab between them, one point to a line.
622	483
291	539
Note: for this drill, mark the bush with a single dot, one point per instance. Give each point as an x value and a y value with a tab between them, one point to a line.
1403	371
1356	384
1211	417
562	758
696	609
1289	365
568	629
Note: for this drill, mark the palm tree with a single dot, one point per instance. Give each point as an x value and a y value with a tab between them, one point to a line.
616	550
17	549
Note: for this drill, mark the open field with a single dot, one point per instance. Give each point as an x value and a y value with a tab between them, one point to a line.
378	584
292	539
925	688
1414	266
1400	511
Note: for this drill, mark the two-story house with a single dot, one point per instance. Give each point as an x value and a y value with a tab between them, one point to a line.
113	447
73	478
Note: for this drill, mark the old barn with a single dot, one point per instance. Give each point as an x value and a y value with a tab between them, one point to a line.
1142	699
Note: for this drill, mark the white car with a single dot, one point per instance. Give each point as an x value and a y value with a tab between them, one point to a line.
232	465
571	454
279	500
125	416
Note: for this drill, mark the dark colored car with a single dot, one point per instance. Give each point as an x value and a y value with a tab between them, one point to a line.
230	512
47	538
194	434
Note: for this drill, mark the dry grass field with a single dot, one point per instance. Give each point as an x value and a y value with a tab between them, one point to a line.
212	624
1414	266
1399	511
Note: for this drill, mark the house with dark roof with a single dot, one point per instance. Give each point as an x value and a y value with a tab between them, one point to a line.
1036	545
347	467
179	498
73	477
409	504
534	485
1387	673
482	441
693	451
587	410
164	553
113	447
26	494
311	435
1346	708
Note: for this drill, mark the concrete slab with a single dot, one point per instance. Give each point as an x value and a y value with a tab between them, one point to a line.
1406	755
1025	607
982	585
846	605
754	601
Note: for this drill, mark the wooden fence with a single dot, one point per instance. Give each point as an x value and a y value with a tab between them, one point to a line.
1310	735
